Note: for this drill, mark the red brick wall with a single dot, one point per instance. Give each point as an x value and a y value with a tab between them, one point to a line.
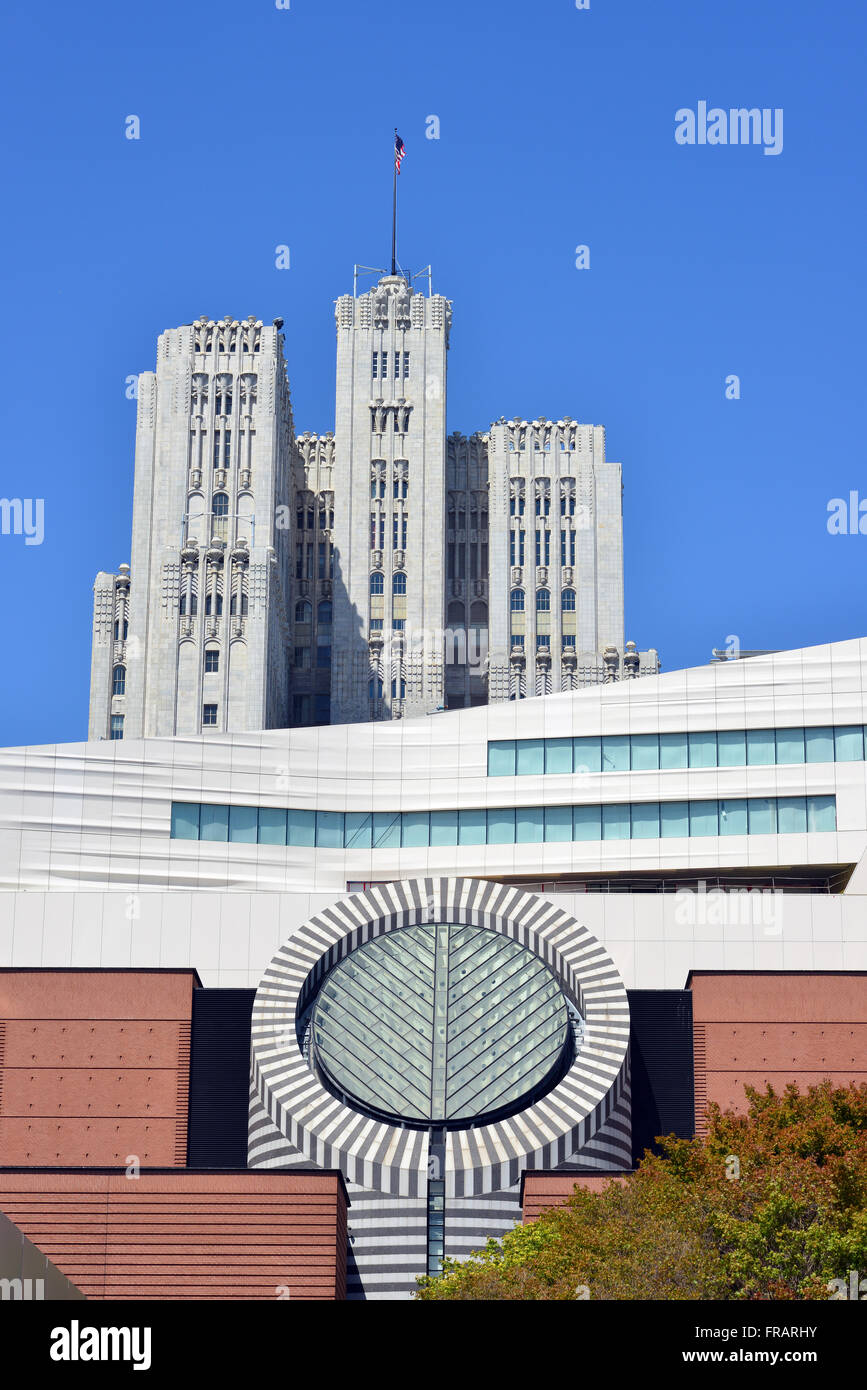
94	1067
754	1029
186	1235
544	1190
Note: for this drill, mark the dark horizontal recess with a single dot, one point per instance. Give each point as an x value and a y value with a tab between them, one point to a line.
786	878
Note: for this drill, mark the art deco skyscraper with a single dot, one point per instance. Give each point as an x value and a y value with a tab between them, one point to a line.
196	637
389	503
376	572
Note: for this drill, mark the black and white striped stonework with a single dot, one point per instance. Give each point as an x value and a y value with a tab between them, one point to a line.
388	1158
387	1245
583	1120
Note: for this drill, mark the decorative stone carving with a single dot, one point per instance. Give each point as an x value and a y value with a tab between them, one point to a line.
199	394
247	386
344	311
171	587
402	307
380	308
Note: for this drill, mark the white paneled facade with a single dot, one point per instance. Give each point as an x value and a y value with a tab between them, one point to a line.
93	874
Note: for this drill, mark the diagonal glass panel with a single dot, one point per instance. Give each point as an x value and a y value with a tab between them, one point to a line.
439	1023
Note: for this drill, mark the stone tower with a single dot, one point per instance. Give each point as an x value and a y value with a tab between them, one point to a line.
197	636
556	557
389	503
313	579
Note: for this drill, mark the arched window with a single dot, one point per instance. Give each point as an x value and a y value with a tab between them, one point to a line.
210	609
194	604
303	611
374	688
118	680
516	602
221	504
568	600
244	604
398	582
377	583
543	600
324	613
117	636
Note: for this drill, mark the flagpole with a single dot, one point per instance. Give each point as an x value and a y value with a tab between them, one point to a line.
394	211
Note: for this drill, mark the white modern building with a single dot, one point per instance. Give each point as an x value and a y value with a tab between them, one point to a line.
747	773
598	851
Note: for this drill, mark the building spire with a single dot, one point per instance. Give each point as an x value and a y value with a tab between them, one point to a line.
399	152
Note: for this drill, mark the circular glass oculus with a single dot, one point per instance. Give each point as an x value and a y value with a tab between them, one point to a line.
439	1024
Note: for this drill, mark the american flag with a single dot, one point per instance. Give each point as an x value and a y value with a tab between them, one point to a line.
399	151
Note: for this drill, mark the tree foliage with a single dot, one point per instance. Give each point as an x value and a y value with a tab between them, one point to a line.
768	1204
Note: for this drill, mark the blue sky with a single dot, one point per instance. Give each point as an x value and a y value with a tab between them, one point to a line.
262	127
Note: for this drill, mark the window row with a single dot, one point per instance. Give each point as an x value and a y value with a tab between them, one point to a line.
398	582
842	743
401	489
784	815
304	612
565	448
223	449
399	522
543	639
517	601
305	518
324	555
380	364
214	605
376	687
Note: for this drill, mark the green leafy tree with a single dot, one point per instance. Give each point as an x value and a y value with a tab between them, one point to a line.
768	1204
